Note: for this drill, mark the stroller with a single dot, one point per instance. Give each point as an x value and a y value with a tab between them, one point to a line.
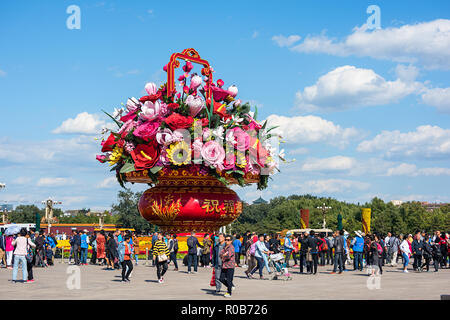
276	262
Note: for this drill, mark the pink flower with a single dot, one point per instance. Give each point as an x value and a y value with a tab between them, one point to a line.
213	153
129	147
150	110
196	81
181	78
219	94
127	127
151	88
237	103
233	90
164	158
220	83
101	158
206	133
133	104
195	104
165	67
253	125
188	67
147	130
166	136
242	139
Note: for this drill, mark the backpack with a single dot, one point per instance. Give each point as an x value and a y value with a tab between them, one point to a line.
324	245
380	249
175	245
29	255
253	249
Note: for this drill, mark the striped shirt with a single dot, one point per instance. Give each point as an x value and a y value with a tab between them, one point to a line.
159	248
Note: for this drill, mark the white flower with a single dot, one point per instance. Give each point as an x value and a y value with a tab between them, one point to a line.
218	132
233	90
150	110
230	138
117	113
133	104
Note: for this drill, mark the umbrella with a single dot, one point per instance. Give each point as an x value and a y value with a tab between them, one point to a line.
12	230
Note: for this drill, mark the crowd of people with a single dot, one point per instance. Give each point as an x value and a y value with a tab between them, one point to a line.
223	253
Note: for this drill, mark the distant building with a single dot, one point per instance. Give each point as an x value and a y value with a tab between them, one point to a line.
259	201
7	207
71	213
397	202
432	206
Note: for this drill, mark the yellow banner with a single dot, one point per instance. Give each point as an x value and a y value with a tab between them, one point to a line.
366	220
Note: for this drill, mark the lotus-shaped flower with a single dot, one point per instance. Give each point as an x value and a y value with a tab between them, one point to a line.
150	110
195	104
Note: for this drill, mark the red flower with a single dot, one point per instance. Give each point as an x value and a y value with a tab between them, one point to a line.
109	144
145	156
219	108
128	116
173	106
177	121
205	122
220	83
151	98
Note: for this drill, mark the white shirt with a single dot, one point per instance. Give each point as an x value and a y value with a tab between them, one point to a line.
404	247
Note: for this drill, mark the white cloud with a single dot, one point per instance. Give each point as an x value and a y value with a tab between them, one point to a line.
255	34
2	73
67	201
22	180
429	142
54	182
336	163
333	186
84	123
349	87
309	129
426	43
439	98
299	151
283	41
406	169
107	183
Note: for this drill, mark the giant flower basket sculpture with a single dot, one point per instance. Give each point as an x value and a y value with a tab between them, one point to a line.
189	145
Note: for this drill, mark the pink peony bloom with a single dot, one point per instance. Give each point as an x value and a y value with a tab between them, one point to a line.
233	90
196	81
147	130
242	139
195	104
206	134
213	153
150	110
151	88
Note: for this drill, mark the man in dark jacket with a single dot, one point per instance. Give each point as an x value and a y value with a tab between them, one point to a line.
417	251
313	245
339	252
303	250
39	241
76	247
192	243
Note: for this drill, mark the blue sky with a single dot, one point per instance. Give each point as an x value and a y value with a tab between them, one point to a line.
364	112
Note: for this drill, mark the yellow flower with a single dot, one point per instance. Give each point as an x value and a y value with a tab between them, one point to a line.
241	162
179	153
115	156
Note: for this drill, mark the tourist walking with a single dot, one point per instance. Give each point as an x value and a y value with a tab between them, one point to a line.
228	264
376	251
135	247
84	245
206	250
251	259
313	247
127	265
339	243
9	249
173	250
192	244
31	259
110	252
21	244
261	253
417	251
295	249
288	247
406	252
160	256
2	250
40	249
237	244
358	247
303	252
101	242
217	260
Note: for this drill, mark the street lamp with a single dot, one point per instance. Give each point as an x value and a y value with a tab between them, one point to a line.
324	212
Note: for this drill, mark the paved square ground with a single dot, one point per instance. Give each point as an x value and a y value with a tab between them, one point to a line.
97	283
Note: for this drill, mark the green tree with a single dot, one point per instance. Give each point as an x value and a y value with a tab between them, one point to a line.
127	211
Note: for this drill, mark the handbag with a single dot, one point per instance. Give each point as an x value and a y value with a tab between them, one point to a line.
29	255
212	283
162	257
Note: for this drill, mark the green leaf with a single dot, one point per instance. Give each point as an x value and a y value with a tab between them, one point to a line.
256	112
118	124
271	128
155	170
127	167
264	125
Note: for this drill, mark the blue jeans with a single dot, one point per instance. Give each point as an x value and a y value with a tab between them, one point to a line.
192	258
358	264
23	261
266	263
338	261
260	266
405	260
84	252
